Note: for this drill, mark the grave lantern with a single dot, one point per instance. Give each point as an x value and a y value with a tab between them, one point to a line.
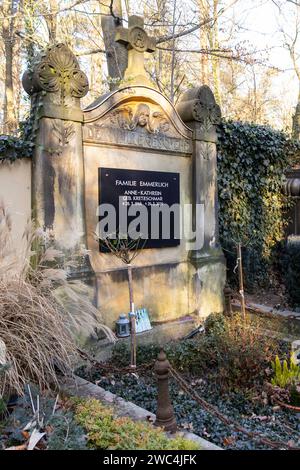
122	326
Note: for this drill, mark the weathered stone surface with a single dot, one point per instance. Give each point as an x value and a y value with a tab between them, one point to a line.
206	283
162	289
198	107
145	133
58	181
137	41
15	195
57	71
132	128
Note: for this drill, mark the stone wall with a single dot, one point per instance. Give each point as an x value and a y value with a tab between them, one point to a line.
15	194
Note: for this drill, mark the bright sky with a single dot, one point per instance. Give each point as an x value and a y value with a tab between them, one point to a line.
262	24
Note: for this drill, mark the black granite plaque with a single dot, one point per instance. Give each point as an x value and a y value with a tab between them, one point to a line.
123	188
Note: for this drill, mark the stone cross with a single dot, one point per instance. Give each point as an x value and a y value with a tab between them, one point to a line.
138	42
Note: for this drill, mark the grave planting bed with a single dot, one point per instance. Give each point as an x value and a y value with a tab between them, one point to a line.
229	366
253	413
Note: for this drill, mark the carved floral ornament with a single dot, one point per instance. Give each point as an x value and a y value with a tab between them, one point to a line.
63	132
57	70
138	39
140	116
208	114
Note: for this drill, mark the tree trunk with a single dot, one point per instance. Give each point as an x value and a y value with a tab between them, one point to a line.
9	116
51	20
172	91
116	53
204	15
214	44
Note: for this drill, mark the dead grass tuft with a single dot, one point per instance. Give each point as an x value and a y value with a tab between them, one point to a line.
37	326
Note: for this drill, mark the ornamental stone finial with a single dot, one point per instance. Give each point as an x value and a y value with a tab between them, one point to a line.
56	71
56	84
198	105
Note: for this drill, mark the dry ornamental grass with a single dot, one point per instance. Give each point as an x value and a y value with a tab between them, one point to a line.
38	321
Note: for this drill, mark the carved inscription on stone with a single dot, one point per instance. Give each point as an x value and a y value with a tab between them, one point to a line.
121	136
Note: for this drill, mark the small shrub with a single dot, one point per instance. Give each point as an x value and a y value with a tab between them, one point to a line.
215	324
284	375
233	353
104	431
241	353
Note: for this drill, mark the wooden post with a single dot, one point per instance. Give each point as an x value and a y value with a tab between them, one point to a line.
165	414
228	296
132	320
241	281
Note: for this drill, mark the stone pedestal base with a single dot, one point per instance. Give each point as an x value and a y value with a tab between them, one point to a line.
208	277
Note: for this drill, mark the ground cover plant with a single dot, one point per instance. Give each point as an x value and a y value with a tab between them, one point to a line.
79	424
105	431
42	422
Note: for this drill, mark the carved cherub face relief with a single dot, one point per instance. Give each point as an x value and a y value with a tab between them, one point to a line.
142	115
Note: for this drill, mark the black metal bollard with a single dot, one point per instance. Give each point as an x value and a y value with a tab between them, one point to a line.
165	416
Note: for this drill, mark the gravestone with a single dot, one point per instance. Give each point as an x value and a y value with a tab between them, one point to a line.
133	145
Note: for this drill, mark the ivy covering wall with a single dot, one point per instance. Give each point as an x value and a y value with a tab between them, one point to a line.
252	160
21	145
14	147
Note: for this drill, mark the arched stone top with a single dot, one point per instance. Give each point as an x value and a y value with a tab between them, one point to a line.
199	104
138	106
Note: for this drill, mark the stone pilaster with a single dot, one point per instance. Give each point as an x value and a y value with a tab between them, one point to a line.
57	84
198	109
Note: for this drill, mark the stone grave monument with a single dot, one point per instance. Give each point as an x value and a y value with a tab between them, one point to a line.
131	145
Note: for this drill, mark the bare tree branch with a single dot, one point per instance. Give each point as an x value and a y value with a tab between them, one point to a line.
182	33
90	52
